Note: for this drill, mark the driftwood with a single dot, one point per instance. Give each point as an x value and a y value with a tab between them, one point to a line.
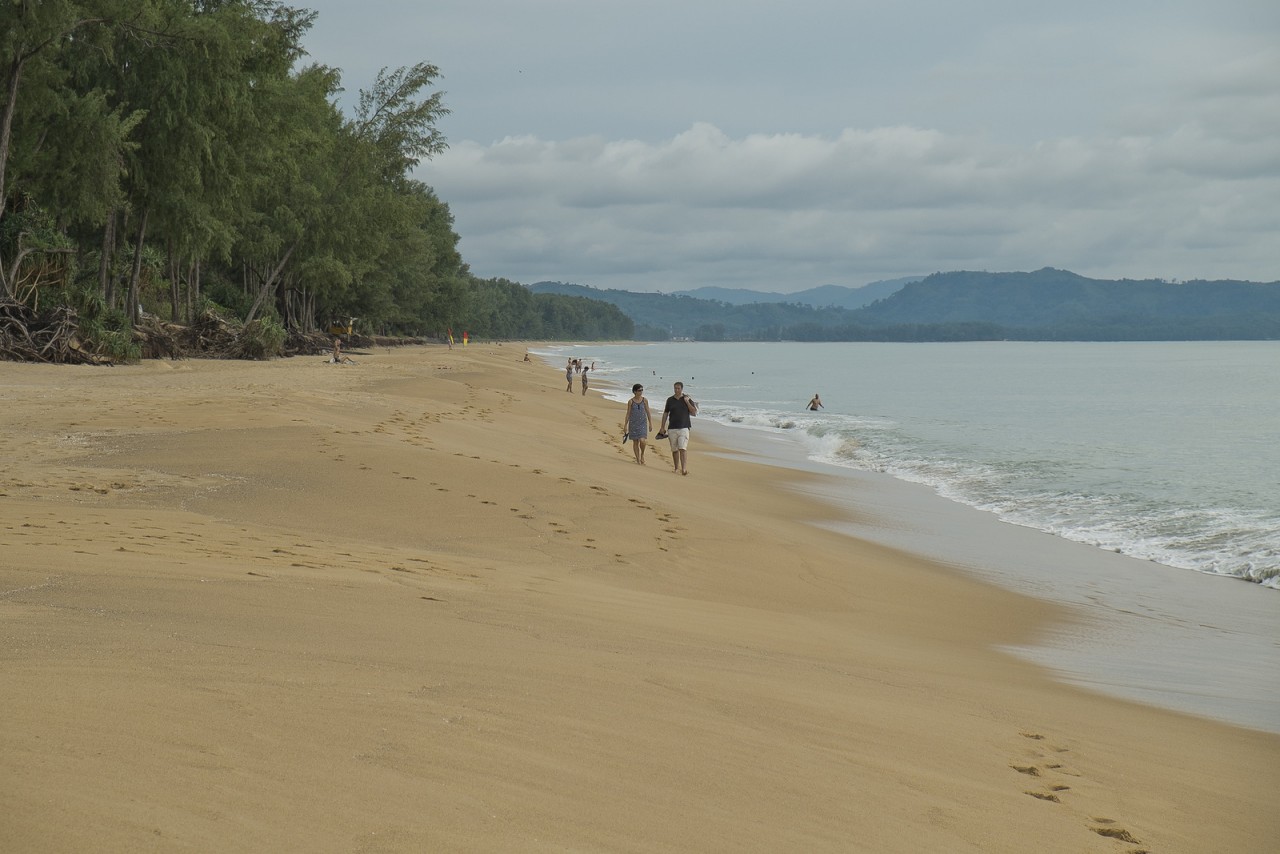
307	343
53	336
49	336
212	337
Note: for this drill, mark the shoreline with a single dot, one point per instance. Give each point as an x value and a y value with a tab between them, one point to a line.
433	592
907	439
1174	638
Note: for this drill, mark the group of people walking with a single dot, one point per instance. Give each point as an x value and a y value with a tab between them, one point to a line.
674	426
637	419
576	368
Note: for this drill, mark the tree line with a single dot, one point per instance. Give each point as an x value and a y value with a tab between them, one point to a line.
172	157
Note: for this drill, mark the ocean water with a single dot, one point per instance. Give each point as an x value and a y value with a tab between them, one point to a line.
1137	484
1168	452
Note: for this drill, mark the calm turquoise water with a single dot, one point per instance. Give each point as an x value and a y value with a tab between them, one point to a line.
1168	452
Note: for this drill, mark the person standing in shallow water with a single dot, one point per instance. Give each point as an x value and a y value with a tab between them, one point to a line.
816	403
585	369
675	421
637	421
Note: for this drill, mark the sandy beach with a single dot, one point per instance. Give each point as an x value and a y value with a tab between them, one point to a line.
428	602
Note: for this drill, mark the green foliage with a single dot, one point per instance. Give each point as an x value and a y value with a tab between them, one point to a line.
41	256
117	345
198	120
498	308
103	329
223	299
262	339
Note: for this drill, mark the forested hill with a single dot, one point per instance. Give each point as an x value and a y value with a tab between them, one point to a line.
659	317
1058	304
1047	304
826	296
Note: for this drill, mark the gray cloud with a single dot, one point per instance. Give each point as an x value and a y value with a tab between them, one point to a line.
667	145
790	211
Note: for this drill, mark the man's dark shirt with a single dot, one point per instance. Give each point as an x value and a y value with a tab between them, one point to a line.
677	412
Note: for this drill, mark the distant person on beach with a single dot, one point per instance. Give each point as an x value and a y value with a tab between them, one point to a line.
584	378
816	403
337	358
637	421
568	375
676	424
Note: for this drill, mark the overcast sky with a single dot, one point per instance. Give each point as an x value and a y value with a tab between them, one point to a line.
672	144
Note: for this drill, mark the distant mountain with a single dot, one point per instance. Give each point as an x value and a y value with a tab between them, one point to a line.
1059	303
1044	305
826	296
659	317
734	296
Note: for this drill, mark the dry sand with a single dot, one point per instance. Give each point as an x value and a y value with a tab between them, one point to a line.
429	603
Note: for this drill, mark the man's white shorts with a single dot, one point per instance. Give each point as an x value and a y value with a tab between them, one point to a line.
679	438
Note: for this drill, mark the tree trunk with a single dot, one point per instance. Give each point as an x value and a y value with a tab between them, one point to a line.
106	282
269	284
193	289
6	120
131	303
309	311
173	286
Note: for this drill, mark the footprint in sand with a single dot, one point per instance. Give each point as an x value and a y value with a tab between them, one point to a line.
1102	826
1045	796
1117	833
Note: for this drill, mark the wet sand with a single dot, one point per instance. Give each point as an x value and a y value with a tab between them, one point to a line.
1176	638
428	602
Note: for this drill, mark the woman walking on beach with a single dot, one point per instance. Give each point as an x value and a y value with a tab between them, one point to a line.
638	421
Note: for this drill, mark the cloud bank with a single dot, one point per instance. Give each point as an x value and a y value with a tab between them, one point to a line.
788	211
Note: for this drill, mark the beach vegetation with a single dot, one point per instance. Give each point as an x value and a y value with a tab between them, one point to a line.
510	310
262	338
153	150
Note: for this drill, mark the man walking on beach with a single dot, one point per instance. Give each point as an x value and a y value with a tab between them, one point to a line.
675	421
